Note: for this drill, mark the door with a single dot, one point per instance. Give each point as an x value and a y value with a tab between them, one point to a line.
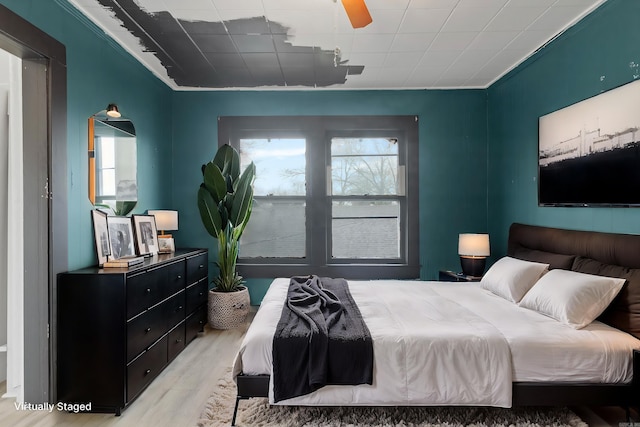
44	194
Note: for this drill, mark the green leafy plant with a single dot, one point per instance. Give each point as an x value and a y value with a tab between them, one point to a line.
225	199
122	208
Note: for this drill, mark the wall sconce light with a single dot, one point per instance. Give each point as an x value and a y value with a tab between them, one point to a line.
112	111
165	220
473	250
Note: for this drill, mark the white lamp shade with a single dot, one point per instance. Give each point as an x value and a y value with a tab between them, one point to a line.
165	220
473	245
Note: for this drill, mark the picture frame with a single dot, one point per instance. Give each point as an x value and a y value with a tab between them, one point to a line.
101	235
146	234
121	237
166	245
587	151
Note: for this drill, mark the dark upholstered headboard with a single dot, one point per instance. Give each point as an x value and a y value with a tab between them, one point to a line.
605	254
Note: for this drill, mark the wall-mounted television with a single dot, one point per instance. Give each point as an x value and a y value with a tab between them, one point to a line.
589	152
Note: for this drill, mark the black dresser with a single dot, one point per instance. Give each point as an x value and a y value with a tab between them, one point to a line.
118	328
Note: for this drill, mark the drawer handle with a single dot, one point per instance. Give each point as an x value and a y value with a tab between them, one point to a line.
201	266
147	330
178	309
200	294
178	341
147	372
148	290
201	322
179	277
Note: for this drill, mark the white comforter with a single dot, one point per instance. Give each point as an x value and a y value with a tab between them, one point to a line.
443	343
428	349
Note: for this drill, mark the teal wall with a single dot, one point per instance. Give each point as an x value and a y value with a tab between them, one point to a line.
177	132
478	148
100	72
452	129
594	56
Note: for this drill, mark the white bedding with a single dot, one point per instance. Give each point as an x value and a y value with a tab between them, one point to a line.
445	343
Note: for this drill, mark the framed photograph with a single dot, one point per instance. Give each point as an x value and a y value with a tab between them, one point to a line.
144	228
101	235
166	245
120	237
588	151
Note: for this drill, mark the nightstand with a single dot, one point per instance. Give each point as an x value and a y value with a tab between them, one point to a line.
452	276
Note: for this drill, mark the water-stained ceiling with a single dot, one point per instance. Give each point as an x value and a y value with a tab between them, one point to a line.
411	44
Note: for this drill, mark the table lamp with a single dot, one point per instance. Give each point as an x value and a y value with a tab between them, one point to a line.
165	220
473	250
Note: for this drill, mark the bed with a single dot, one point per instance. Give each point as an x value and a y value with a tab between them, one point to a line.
503	354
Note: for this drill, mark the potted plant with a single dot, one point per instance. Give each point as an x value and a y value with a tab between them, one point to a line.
224	200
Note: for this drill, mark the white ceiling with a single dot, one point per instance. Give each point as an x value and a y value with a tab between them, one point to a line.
411	44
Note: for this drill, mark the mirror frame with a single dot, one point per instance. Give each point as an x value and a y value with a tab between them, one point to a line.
92	164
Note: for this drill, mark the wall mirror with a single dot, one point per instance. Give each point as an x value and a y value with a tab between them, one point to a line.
112	163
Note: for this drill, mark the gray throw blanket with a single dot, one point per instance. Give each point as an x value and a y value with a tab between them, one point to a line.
321	339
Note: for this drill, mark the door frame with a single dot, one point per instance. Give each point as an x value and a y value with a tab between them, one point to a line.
45	186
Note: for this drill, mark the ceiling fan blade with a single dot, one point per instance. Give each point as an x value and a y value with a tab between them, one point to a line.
357	12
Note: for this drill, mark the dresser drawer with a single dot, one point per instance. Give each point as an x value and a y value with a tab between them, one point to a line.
176	341
175	277
144	290
145	329
144	369
174	310
197	268
196	295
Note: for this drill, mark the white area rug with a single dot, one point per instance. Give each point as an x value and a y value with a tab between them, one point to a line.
256	412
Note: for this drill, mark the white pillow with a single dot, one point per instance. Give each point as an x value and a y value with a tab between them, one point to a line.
511	278
573	298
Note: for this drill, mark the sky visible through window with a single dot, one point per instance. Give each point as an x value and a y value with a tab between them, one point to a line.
280	165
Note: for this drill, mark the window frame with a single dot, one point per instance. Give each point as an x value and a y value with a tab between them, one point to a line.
239	134
402	199
318	131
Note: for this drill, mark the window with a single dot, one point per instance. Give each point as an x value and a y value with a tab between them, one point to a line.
334	196
277	225
365	198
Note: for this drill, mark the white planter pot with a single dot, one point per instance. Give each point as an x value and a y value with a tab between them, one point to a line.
228	310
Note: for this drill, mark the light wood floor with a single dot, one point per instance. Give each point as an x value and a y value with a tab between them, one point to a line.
175	398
